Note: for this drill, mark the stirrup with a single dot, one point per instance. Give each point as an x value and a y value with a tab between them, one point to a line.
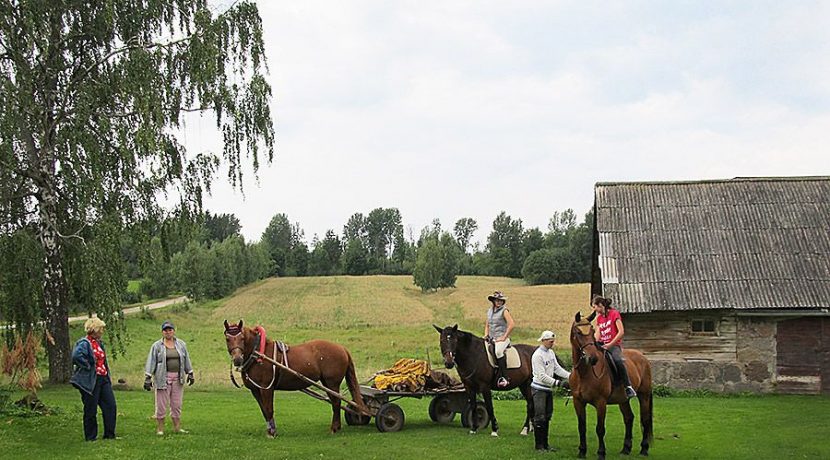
629	392
502	382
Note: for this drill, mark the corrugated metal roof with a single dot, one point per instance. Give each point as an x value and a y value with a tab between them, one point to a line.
743	243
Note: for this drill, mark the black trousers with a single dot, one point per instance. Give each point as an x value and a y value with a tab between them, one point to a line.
619	361
542	405
102	397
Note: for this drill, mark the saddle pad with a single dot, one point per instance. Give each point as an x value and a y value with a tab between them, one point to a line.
513	360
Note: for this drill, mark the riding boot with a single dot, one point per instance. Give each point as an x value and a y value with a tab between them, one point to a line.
546	429
502	363
540	434
629	390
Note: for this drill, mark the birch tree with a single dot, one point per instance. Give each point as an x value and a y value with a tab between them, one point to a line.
93	94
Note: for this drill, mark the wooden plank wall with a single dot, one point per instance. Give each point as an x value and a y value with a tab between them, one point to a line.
802	355
668	336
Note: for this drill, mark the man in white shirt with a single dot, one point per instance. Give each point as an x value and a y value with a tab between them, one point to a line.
545	369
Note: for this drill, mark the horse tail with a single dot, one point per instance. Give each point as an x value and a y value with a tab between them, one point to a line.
353	384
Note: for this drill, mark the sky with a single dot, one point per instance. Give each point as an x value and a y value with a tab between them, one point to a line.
450	109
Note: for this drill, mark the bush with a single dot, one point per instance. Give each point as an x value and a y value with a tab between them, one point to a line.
550	266
437	264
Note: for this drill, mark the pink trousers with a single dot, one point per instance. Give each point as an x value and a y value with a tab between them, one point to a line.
170	397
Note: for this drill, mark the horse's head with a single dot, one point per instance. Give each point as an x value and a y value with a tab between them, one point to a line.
449	344
582	336
235	339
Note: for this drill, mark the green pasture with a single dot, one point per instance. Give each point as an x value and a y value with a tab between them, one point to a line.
225	423
380	319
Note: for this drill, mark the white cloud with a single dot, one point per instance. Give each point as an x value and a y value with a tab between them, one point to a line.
465	109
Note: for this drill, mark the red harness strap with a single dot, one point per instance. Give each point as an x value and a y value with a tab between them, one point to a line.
261	349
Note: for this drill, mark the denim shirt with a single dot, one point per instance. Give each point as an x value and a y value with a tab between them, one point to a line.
83	360
156	365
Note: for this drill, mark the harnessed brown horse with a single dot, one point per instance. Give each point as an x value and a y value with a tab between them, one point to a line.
319	360
591	383
467	351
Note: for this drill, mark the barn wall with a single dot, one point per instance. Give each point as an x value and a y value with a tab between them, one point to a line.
740	357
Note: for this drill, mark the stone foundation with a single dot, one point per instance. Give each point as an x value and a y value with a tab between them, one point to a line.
753	369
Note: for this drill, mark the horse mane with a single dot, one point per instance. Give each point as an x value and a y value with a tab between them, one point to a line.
467	336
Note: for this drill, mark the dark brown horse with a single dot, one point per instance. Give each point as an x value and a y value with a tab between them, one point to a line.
466	351
319	360
591	383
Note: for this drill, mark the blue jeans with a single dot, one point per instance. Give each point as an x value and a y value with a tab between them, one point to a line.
103	397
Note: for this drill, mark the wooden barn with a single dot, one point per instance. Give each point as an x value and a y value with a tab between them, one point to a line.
723	284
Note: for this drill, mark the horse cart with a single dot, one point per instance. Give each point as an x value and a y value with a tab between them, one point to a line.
444	405
380	404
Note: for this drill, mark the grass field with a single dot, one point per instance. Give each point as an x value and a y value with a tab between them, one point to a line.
225	423
381	319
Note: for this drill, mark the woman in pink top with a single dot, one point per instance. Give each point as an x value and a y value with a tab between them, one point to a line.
610	332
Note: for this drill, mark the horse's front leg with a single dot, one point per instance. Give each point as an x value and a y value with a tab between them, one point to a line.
267	409
601	408
471	402
579	408
628	418
488	404
268	412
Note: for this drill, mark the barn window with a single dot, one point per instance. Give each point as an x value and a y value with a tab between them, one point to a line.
703	327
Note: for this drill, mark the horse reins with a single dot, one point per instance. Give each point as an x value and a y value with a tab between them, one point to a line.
582	354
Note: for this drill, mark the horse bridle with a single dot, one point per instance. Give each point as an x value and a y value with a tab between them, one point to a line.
582	355
250	359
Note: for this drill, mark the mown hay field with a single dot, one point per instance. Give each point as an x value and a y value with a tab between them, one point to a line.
378	318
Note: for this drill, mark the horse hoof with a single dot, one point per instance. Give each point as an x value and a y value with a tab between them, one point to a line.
523	432
581	455
644	453
473	432
494	434
625	452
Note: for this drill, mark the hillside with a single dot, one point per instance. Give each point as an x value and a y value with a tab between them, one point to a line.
379	318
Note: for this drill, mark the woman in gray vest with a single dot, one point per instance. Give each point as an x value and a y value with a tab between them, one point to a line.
497	331
168	364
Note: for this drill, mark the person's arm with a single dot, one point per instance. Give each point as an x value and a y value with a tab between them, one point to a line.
620	333
188	367
486	328
559	370
539	371
150	366
510	324
78	356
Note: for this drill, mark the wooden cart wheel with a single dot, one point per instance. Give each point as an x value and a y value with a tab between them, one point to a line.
440	409
357	419
482	417
389	418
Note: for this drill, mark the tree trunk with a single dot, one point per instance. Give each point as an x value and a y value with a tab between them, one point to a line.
55	309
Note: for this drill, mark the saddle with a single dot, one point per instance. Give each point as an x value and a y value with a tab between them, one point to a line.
613	370
513	359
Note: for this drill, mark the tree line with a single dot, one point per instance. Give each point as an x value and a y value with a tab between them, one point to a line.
375	243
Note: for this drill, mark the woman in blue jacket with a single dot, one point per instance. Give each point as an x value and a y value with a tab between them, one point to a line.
92	379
